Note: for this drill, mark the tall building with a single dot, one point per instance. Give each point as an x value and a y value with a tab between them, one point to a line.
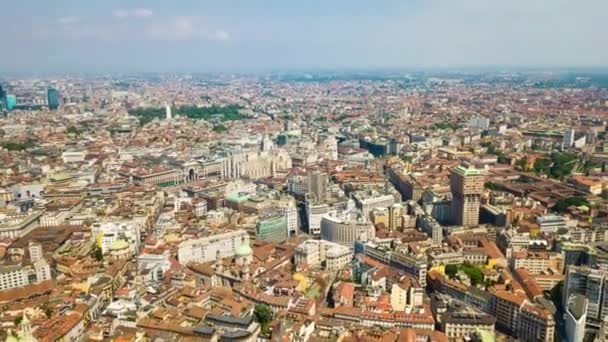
168	114
466	184
10	101
590	283
575	318
568	139
317	185
2	98
52	97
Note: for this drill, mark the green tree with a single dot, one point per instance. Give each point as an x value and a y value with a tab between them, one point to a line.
473	273
262	314
451	270
18	320
220	128
98	253
563	204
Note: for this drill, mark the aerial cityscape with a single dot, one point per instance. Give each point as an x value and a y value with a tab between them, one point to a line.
167	174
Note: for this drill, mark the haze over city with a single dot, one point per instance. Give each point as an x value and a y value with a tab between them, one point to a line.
189	36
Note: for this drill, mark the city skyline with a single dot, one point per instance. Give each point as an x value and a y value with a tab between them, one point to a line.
235	36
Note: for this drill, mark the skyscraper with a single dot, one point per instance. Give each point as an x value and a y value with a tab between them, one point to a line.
317	185
466	184
575	317
52	97
2	98
590	283
568	139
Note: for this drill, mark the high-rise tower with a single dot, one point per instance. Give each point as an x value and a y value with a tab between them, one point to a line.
52	97
466	184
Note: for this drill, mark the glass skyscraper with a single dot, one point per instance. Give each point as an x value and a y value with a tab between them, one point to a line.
52	98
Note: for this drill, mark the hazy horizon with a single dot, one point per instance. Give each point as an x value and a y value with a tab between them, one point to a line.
240	36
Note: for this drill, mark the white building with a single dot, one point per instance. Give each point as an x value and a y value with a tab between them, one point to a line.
315	212
551	223
575	318
107	233
346	228
208	248
315	252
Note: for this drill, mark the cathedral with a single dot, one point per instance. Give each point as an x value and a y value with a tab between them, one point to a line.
263	162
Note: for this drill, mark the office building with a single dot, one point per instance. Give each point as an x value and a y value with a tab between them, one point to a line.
272	229
52	96
575	318
346	228
314	213
10	101
466	184
551	223
568	139
317	252
317	185
207	248
590	283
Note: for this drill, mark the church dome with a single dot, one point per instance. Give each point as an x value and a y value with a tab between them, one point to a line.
244	250
119	245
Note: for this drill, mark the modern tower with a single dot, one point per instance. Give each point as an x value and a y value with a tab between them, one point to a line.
575	318
2	98
52	96
590	283
466	184
568	139
317	185
168	111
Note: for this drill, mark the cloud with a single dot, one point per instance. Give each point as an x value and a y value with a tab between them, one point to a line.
222	35
139	13
68	20
185	28
142	13
120	13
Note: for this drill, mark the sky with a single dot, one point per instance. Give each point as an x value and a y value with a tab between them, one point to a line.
252	35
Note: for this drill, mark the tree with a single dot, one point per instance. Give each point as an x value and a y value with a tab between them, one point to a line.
262	314
451	270
564	203
98	253
473	273
18	320
219	128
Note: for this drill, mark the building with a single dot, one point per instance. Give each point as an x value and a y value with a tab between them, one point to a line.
114	235
346	228
459	325
551	223
39	270
367	201
10	101
407	293
52	96
206	249
568	139
590	283
317	185
272	229
317	252
575	318
466	184
314	213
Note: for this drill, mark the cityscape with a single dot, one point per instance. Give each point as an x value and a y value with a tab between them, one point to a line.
332	199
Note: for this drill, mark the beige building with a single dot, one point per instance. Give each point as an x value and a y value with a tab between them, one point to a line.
466	184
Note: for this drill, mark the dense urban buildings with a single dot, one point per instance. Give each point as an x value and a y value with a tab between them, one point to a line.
323	207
